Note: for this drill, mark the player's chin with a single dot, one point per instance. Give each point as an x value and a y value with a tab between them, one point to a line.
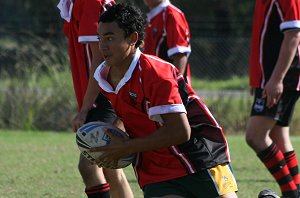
108	59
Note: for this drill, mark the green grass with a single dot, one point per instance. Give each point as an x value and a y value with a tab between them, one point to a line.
235	83
44	164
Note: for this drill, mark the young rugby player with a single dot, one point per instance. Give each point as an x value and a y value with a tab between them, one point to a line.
182	150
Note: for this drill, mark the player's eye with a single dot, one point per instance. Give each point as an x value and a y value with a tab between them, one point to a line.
109	38
105	38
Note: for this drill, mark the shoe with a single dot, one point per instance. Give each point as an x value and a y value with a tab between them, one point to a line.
267	193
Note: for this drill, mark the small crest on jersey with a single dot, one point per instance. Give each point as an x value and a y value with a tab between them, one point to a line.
133	95
155	31
147	105
259	104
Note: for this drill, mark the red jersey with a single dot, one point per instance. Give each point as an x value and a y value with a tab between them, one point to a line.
271	19
149	89
81	29
167	32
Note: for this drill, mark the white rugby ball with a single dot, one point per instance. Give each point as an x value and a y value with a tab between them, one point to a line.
92	135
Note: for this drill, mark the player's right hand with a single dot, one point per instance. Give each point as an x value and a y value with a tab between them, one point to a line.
79	120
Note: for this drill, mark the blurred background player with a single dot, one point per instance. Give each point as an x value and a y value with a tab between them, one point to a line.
80	25
275	82
168	35
182	150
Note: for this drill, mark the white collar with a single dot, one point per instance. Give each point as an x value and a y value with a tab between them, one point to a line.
65	7
157	9
101	74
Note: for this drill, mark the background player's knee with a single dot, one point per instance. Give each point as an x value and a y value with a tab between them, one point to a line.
92	175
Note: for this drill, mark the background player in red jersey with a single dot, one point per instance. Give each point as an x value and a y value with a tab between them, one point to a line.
182	150
81	21
168	35
275	81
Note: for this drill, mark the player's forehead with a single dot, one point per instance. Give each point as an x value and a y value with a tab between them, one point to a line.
111	28
152	3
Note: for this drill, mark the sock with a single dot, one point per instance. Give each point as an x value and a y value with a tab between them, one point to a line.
100	191
292	163
274	161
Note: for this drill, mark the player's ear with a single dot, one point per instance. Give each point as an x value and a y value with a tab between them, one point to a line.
133	38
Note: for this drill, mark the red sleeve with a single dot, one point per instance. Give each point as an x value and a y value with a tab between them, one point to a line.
161	86
290	9
89	18
178	33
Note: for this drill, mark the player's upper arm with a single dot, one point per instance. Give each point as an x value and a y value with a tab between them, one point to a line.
177	122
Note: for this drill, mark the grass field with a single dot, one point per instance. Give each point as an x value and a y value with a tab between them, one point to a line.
44	164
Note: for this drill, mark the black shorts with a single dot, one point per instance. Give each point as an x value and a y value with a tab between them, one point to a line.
282	112
212	182
102	112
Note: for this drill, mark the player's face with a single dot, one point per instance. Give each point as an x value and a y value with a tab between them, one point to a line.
116	49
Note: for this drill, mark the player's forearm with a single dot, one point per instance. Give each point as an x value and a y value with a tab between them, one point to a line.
90	95
172	133
287	52
93	88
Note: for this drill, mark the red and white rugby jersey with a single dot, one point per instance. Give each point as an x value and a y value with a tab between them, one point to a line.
271	19
82	29
149	89
167	32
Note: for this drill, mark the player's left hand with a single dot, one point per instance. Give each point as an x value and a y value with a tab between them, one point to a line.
112	152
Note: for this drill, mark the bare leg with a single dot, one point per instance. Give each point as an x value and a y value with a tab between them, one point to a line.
92	175
257	134
119	186
281	136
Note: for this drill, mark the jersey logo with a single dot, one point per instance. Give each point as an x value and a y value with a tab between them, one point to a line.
225	178
155	31
147	105
259	104
133	95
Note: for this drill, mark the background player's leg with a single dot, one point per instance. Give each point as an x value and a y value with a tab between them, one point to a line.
258	138
93	178
281	136
257	134
119	186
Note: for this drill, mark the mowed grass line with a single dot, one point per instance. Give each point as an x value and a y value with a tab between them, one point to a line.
44	164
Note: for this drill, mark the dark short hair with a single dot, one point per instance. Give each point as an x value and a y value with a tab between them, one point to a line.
128	17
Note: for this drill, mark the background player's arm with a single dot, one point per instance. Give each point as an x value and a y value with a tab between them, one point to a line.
180	61
274	86
92	89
